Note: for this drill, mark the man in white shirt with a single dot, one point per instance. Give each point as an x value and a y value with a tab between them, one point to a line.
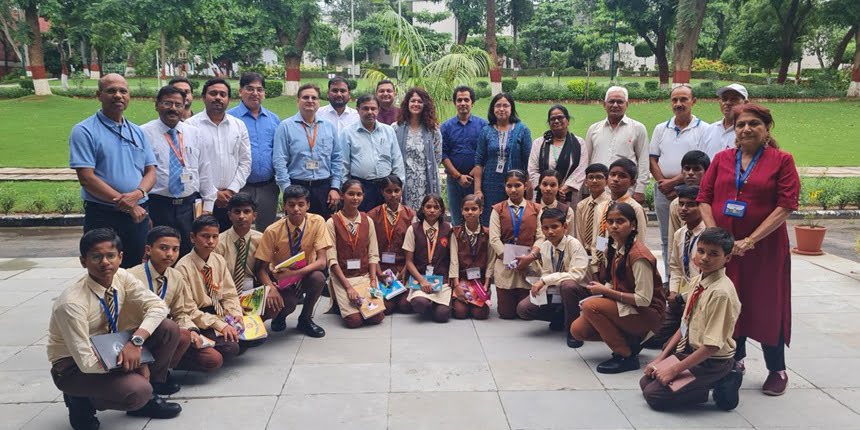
183	172
619	136
670	141
225	138
338	112
721	134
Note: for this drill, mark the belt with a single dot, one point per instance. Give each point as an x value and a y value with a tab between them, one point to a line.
179	201
309	184
261	183
106	207
376	182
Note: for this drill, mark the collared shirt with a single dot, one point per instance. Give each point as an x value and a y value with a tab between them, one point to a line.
675	222
227	248
117	153
196	161
453	260
373	244
600	214
174	297
629	139
679	280
643	289
261	132
229	148
274	247
504	277
454	268
191	266
712	320
372	154
669	143
569	217
576	178
574	262
78	314
718	138
585	225
389	115
347	118
293	154
460	141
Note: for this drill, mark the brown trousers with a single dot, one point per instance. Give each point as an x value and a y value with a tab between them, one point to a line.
571	294
463	310
423	306
312	285
356	320
599	321
209	359
398	304
120	390
707	373
508	301
671	324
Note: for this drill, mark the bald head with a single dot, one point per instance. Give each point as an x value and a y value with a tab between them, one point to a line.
113	94
111	78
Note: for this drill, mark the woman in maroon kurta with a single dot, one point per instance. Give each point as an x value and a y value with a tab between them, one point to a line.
755	215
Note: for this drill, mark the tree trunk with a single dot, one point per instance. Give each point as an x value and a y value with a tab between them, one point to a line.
15	48
688	26
64	66
786	54
462	34
854	88
490	41
792	21
799	65
130	63
95	70
662	60
84	62
162	76
294	48
293	74
37	53
842	46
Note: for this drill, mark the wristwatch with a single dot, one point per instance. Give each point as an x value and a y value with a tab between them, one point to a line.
137	340
143	192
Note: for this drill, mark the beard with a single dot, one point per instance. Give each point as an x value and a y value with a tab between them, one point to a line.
337	103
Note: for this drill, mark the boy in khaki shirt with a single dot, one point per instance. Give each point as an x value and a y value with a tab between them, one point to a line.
704	344
238	244
596	176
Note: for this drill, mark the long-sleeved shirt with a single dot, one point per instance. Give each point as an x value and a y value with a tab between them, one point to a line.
295	159
229	148
197	296
78	314
261	132
194	156
174	296
643	280
371	154
628	140
460	141
574	262
576	178
228	249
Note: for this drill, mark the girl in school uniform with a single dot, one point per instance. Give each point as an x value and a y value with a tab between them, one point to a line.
472	243
514	221
428	252
628	301
549	185
354	256
392	219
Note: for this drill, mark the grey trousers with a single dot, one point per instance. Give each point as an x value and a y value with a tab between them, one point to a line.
266	195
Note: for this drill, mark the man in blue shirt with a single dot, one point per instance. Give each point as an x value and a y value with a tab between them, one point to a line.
459	140
308	153
261	124
116	169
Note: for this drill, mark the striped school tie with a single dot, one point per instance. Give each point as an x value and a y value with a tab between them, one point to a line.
241	262
213	295
110	300
391	215
589	223
159	285
431	234
687	236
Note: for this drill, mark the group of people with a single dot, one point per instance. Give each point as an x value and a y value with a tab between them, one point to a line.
187	204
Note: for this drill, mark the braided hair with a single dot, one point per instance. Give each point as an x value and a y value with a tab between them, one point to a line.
628	212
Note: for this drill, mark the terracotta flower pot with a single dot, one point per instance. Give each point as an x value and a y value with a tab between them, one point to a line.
809	239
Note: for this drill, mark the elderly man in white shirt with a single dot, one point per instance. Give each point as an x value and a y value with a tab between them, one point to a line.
225	138
619	136
721	134
183	173
338	112
670	141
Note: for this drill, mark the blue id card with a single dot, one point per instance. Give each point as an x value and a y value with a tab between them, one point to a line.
735	208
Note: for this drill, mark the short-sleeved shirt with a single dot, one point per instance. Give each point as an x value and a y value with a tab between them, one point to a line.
118	153
274	247
459	141
718	138
712	320
670	142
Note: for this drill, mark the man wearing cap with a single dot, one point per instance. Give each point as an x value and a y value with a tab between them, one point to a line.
721	135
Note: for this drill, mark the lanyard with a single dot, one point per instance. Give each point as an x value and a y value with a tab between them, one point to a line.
516	220
112	318
389	227
431	246
119	133
688	249
557	265
294	247
603	225
353	239
178	151
472	249
149	280
740	180
311	140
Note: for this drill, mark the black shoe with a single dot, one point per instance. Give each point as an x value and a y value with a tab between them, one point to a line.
573	342
726	390
279	324
157	408
309	328
82	414
635	347
165	388
618	364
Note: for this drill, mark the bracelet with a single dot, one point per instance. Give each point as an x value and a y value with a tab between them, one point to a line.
749	243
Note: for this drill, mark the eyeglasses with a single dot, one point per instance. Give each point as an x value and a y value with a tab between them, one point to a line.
97	258
595	178
251	89
615	102
558	118
167	104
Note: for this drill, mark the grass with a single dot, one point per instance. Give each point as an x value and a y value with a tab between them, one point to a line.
29	194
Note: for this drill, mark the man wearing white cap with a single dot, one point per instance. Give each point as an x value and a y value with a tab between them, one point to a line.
721	134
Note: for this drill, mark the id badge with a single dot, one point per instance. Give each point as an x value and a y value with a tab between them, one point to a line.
602	243
311	164
735	208
500	166
353	264
186	177
473	273
428	271
388	257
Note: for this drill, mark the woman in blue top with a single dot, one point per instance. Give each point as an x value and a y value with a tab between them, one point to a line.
503	145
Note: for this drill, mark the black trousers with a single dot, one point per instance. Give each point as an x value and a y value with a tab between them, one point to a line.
164	211
372	194
319	195
132	235
774	355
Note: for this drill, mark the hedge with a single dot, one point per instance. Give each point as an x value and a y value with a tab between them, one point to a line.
14	92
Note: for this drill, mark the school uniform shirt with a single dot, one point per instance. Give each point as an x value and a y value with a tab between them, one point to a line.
274	247
470	260
228	247
674	222
680	273
586	213
229	148
78	314
373	244
643	279
503	277
669	143
569	218
601	230
368	253
713	316
174	295
443	296
573	264
198	296
195	159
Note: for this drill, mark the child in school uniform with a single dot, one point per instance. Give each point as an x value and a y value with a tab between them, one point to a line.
353	259
514	221
629	300
703	344
548	184
428	252
239	243
694	164
296	232
391	220
471	242
595	179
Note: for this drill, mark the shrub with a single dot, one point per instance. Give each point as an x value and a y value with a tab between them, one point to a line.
482	85
7	200
629	85
705	64
67	202
274	87
352	84
509	85
14	92
37	205
576	88
482	93
27	84
652	85
649	196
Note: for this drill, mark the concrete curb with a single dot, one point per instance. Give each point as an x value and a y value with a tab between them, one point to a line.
77	220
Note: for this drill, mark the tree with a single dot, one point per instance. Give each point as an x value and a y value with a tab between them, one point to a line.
12	31
325	43
35	48
495	67
518	14
470	17
652	20
688	25
293	22
793	17
553	30
751	40
720	17
854	88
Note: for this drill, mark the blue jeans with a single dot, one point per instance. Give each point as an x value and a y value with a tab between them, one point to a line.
455	199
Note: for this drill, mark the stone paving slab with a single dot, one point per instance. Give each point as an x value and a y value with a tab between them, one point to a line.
408	373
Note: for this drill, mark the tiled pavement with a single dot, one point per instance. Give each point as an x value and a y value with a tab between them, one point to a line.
412	374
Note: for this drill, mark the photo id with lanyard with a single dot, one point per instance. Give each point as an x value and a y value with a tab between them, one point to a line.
473	273
388	258
735	208
738	208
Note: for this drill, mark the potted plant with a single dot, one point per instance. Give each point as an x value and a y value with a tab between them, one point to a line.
809	236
